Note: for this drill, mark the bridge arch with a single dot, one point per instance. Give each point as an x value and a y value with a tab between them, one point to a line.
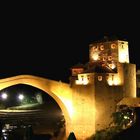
50	87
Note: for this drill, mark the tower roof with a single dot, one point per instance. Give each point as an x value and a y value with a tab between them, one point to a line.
99	68
79	65
108	39
129	101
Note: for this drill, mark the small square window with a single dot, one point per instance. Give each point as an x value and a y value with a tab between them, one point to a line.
102	47
109	58
99	78
104	58
113	46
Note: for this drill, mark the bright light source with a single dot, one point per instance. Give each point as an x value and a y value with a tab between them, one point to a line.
70	107
112	66
4	96
95	56
113	80
126	117
3	130
21	96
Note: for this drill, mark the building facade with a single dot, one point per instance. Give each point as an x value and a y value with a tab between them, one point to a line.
102	83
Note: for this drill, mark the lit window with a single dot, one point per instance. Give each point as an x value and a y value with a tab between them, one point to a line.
94	47
99	78
95	56
113	46
112	77
112	66
104	58
82	80
109	58
102	47
82	77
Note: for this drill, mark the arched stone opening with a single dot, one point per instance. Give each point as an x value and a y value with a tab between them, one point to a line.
26	105
44	85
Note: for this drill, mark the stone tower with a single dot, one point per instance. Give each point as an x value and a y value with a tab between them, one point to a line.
100	84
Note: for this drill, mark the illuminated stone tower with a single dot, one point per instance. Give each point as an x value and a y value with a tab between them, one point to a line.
99	85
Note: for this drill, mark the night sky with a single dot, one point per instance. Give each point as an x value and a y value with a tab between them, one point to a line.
48	40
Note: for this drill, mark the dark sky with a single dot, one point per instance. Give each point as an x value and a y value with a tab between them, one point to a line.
47	40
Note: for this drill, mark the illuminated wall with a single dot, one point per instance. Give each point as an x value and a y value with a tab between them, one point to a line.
109	52
83	96
107	95
105	52
123	51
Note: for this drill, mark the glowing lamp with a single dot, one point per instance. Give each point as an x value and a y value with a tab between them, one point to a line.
4	96
95	56
21	97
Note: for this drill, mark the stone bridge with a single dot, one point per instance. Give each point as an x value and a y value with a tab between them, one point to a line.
59	91
63	94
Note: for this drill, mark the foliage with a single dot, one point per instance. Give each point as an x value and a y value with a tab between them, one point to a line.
28	101
122	119
107	134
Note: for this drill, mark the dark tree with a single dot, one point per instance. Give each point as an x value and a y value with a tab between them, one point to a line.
71	136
